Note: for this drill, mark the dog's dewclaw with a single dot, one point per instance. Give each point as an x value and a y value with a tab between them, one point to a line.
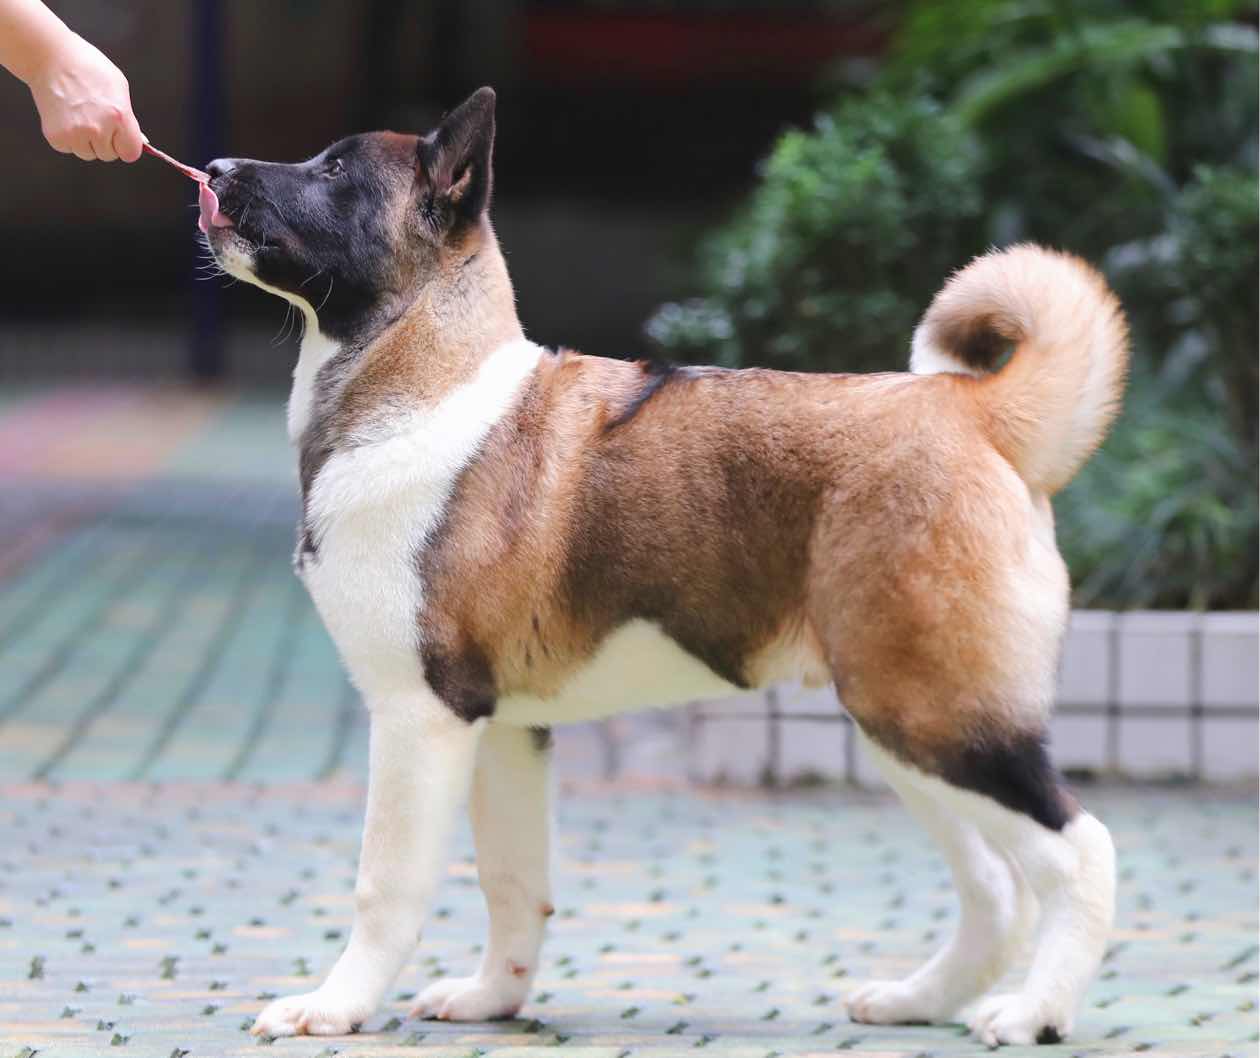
187	170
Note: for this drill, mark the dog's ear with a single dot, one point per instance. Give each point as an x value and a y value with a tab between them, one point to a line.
455	162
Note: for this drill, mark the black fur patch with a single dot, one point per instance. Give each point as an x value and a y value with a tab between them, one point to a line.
977	344
462	679
656	374
1049	1034
1016	774
542	738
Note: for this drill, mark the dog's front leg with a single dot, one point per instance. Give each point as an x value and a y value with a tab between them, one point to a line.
421	764
511	819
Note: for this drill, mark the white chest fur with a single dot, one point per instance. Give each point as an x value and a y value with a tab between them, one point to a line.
317	350
371	507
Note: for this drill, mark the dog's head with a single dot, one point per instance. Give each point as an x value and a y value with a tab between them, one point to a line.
350	233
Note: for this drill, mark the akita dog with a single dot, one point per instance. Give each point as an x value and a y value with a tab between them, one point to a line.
502	537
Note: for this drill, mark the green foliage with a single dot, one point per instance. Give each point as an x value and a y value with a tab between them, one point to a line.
1126	132
847	235
1165	514
1215	224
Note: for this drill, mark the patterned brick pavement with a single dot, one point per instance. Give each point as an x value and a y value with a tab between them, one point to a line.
153	920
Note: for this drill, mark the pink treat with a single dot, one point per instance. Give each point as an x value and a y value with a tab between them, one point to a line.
187	170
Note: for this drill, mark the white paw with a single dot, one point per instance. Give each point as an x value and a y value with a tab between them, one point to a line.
1016	1019
470	999
895	1003
312	1014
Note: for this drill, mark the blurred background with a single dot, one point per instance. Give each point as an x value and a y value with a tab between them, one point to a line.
727	181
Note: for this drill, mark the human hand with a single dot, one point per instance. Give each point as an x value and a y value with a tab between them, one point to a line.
84	104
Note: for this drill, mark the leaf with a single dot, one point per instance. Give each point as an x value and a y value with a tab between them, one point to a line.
1117	45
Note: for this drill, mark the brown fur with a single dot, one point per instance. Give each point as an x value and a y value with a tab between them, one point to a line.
738	509
463	308
564	530
892	529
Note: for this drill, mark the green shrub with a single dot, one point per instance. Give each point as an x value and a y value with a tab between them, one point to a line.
1216	228
848	234
1165	515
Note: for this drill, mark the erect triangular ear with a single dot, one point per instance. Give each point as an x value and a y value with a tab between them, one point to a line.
455	161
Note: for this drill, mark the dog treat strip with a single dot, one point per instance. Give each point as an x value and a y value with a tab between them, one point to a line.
187	170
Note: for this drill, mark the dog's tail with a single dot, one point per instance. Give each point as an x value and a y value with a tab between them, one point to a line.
1049	406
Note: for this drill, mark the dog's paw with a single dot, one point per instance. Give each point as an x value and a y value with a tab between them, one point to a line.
469	999
895	1003
1015	1019
312	1014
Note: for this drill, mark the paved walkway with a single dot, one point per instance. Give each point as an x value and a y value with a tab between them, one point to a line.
150	626
155	920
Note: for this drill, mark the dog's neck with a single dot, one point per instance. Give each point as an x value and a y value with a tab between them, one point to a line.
463	312
435	338
345	394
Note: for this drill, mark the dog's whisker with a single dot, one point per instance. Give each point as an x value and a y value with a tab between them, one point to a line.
326	296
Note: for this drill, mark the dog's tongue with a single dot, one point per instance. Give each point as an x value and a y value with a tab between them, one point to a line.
210	215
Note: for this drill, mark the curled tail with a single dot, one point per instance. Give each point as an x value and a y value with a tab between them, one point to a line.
1050	405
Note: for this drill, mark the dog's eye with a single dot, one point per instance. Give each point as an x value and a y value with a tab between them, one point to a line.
333	168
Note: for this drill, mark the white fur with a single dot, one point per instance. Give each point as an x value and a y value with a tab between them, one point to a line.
371	506
236	258
637	666
1072	875
317	350
375	502
997	914
511	818
421	760
927	358
1096	392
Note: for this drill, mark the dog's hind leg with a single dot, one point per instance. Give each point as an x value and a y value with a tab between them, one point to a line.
1073	872
997	912
511	819
421	764
1012	796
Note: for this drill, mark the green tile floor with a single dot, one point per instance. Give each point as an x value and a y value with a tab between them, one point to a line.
153	644
155	919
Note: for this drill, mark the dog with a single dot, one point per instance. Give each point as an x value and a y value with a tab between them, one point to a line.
501	538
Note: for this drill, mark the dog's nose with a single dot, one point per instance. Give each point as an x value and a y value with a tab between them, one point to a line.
222	166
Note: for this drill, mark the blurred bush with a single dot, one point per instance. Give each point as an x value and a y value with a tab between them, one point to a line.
1165	514
1126	132
850	232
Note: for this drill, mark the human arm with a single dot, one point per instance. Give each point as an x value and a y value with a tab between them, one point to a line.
83	99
